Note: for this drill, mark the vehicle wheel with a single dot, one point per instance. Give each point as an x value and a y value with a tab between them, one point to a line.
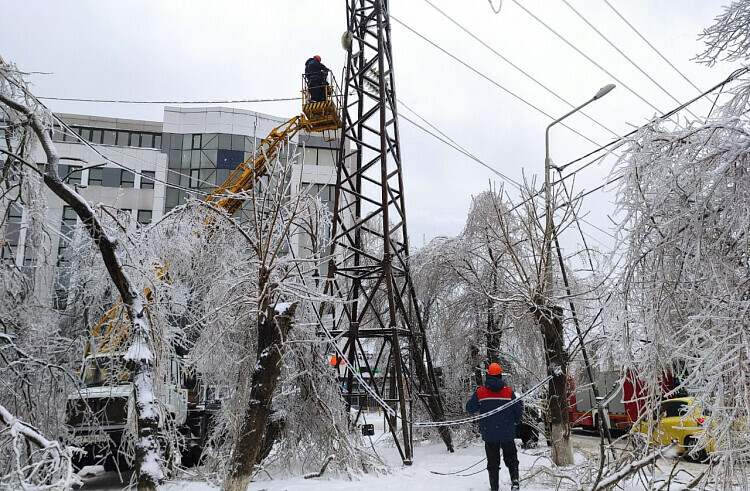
697	456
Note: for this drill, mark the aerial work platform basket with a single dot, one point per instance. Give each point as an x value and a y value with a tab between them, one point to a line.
321	105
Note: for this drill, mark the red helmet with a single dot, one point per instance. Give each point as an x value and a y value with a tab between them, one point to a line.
494	369
317	57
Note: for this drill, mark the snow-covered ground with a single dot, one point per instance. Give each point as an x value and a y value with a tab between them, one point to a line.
462	470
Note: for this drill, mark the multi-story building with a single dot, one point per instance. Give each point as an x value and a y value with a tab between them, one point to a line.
143	169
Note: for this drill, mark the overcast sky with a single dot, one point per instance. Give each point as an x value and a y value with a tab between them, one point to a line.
225	50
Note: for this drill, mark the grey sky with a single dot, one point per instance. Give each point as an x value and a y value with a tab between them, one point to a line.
190	50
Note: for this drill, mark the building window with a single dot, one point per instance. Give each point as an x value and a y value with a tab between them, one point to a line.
225	142
15	213
144	217
109	137
238	143
147	140
96	136
122	138
71	174
71	136
69	216
135	139
69	219
326	156
322	191
310	157
111	178
194	179
229	159
86	134
157	141
196	142
127	179
95	176
8	253
147	179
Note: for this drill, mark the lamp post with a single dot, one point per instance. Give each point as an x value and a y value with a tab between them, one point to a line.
550	322
547	197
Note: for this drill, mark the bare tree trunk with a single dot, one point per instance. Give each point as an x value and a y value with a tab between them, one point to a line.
550	322
272	332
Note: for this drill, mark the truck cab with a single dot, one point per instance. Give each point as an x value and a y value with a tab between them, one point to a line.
99	410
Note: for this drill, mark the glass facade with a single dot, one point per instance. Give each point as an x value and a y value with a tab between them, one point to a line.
201	161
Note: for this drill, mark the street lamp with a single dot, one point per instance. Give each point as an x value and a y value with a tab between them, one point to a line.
551	324
548	203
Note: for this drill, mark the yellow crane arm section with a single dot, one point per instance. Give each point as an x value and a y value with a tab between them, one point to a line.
244	176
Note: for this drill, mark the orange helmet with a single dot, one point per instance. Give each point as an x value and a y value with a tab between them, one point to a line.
317	57
495	369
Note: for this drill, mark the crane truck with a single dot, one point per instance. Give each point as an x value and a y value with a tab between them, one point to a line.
98	412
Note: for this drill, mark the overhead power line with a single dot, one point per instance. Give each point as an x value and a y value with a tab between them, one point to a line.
460	149
651	45
624	55
126	101
489	79
591	60
506	60
734	75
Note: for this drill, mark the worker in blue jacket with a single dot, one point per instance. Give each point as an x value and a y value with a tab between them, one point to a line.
499	429
316	74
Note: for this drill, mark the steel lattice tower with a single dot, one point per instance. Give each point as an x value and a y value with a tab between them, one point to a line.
380	320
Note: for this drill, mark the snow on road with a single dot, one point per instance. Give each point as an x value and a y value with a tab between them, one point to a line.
462	470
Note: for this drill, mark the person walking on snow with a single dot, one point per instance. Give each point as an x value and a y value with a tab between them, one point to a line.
499	429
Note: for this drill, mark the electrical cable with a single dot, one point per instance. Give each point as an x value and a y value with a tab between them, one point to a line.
123	101
459	472
489	79
624	55
734	75
651	45
530	77
621	140
588	57
464	152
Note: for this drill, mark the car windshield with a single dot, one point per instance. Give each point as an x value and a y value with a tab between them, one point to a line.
105	370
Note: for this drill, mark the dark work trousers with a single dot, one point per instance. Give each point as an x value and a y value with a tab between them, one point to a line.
318	91
510	457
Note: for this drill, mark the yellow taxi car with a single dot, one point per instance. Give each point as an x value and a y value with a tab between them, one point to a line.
681	421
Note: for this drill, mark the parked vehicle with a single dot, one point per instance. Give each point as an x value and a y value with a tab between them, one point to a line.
678	420
100	409
624	395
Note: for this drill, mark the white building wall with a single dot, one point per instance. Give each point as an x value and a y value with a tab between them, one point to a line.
320	172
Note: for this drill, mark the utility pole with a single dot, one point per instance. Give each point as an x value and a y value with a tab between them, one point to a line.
380	318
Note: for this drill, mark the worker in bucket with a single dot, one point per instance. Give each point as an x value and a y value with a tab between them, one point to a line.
316	74
499	429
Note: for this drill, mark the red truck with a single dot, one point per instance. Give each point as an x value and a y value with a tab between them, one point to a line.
625	396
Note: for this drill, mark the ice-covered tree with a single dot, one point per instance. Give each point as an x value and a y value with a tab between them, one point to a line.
22	109
685	195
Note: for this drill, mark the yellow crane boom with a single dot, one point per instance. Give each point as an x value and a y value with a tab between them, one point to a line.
322	116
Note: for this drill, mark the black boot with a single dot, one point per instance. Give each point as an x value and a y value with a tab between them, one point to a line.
494	479
514	484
